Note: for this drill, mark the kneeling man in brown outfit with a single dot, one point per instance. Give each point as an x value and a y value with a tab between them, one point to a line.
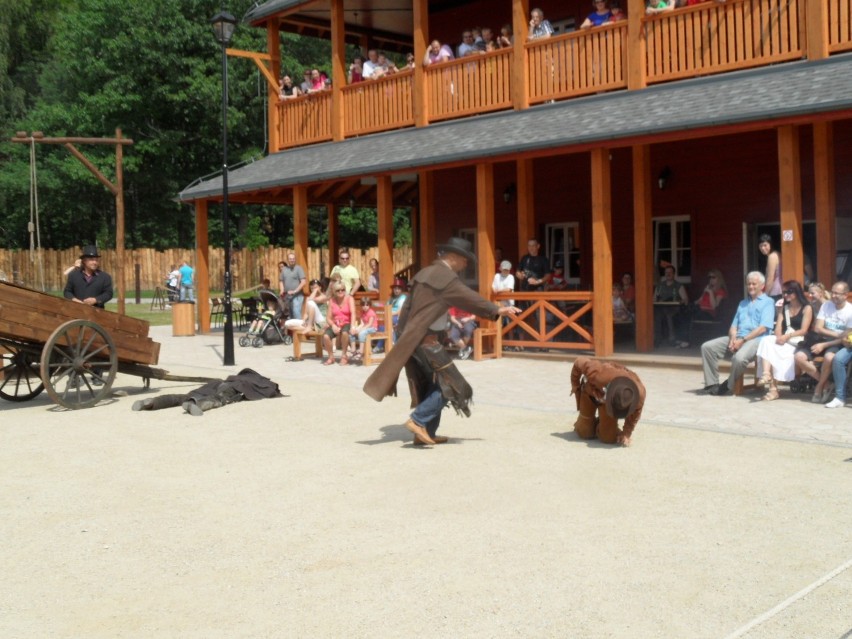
613	391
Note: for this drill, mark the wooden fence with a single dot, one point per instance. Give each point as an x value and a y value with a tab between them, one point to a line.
248	268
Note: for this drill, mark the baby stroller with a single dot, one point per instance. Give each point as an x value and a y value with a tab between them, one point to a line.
265	329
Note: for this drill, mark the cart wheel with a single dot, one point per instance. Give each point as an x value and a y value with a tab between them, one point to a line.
257	342
244	340
78	364
19	377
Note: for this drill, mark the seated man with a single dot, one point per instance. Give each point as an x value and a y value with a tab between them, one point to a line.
613	391
670	299
755	317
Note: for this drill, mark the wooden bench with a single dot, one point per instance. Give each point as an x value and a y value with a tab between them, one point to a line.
385	334
299	337
488	342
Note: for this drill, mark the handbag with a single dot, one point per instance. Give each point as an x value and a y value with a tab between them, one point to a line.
795	341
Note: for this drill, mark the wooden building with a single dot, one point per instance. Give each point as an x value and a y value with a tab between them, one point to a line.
674	137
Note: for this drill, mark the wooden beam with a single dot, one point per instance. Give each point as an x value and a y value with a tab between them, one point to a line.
344	189
643	247
261	61
338	69
119	223
333	235
602	252
485	227
526	204
318	193
421	43
300	224
415	234
427	218
825	202
273	45
816	48
40	139
520	77
92	168
202	266
790	183
636	45
384	212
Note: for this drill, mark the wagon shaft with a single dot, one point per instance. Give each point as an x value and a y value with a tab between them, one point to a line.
31	316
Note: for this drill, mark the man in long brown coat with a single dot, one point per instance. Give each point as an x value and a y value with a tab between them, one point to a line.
611	390
433	379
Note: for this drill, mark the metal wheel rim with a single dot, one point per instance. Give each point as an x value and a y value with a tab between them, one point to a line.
20	380
74	355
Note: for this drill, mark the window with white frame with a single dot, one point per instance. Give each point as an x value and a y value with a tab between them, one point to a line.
673	244
562	244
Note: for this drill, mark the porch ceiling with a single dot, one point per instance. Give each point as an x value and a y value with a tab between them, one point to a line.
679	110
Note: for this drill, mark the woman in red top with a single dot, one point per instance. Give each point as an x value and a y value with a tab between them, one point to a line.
341	312
706	306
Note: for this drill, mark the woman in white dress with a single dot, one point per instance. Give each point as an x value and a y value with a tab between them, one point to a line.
776	352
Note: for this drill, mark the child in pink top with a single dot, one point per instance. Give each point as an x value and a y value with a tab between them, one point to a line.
368	323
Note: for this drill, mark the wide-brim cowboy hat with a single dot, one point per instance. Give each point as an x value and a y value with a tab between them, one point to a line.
622	397
459	246
90	251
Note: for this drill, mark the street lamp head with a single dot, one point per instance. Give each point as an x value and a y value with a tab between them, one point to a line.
223	27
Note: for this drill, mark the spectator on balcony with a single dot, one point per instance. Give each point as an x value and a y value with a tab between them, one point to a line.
409	60
384	67
467	46
486	40
617	13
506	40
305	87
356	70
539	27
286	88
659	6
601	15
437	52
319	81
371	64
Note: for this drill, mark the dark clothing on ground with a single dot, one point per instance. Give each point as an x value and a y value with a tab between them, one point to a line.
80	286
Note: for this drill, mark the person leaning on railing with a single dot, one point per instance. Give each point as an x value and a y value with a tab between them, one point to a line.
659	6
539	27
600	16
437	52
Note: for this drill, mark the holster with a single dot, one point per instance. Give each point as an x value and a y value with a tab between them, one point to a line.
436	364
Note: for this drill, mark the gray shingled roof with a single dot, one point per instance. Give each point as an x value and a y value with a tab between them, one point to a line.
271	8
792	89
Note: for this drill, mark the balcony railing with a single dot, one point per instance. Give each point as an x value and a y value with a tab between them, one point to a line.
578	63
305	120
839	25
714	38
379	105
471	85
701	40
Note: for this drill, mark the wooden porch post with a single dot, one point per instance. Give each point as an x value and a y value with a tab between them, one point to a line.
643	259
485	227
636	45
338	69
384	211
826	205
526	204
300	225
790	182
816	48
273	46
421	43
427	218
202	266
520	27
415	234
602	252
333	236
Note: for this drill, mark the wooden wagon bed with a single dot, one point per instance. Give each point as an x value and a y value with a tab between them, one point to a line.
30	316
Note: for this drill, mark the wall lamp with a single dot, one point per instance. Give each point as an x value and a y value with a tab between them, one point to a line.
664	177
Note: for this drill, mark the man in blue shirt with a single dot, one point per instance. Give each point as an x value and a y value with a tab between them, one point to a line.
187	293
754	318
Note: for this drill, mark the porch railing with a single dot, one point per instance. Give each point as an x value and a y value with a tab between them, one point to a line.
712	38
305	120
582	62
471	85
839	25
550	320
379	105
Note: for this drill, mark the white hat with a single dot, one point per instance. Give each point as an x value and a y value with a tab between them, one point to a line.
505	265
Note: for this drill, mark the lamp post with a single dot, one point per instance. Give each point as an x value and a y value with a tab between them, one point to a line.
223	28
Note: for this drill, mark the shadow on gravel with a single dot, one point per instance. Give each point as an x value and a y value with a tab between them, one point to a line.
571	436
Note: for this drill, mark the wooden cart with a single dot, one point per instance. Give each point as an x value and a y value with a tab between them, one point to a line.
69	349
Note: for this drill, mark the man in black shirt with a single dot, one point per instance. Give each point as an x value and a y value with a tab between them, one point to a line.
88	284
533	269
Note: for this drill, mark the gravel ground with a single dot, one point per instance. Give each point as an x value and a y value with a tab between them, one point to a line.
313	515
